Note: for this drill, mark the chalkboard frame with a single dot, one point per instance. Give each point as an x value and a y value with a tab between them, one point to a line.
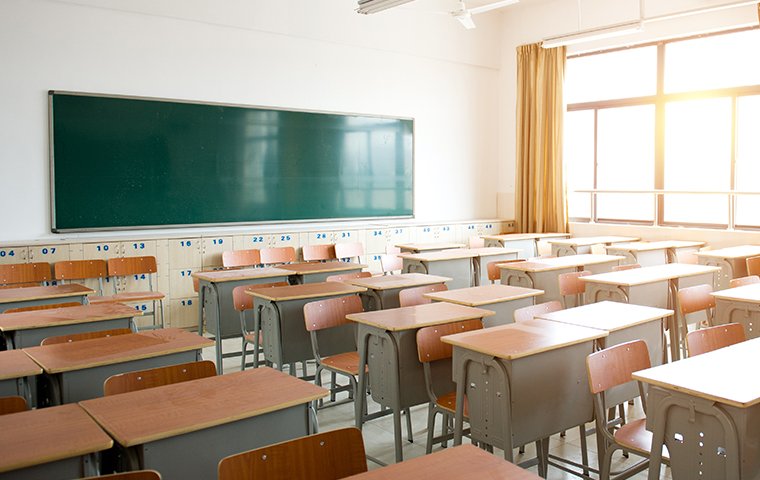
51	129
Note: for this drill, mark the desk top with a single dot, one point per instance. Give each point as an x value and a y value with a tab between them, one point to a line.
655	273
610	316
95	352
319	267
219	276
306	290
403	280
48	434
745	293
438	255
484	294
582	241
522	339
741	251
525	236
660	245
65	316
8	295
464	462
418	316
16	364
152	414
559	263
721	375
422	247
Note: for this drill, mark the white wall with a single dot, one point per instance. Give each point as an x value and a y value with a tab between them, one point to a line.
309	54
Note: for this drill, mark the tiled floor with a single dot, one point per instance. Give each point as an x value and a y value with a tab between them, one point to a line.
378	434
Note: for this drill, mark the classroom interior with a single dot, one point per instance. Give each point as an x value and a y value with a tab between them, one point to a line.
461	88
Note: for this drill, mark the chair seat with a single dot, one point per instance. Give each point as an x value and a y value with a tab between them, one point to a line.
634	436
127	297
448	402
344	362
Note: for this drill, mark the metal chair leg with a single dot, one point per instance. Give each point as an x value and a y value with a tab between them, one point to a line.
409	425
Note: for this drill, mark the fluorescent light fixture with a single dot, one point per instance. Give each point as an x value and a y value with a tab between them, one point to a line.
373	6
465	18
593	34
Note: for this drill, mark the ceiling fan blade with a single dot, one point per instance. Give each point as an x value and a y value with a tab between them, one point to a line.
492	6
466	20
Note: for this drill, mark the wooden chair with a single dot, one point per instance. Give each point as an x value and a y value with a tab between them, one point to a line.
607	369
139	267
82	270
430	350
692	300
712	338
390	263
570	284
323	456
528	313
476	241
77	337
416	296
318	253
12	404
494	272
347	252
753	265
391	249
347	276
136	475
741	281
156	377
249	326
14	275
277	255
630	266
241	258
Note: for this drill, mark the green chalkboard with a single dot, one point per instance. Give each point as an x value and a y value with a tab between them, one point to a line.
121	162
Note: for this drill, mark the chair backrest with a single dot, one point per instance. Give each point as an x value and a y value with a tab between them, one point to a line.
323	456
528	313
630	266
77	337
24	274
12	404
80	269
753	266
392	249
476	242
318	253
570	285
347	251
156	377
390	263
330	313
494	272
136	475
347	276
430	348
43	307
712	338
613	366
416	296
241	258
277	255
242	301
118	267
696	298
741	281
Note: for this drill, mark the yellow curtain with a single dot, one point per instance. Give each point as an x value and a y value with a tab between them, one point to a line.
540	193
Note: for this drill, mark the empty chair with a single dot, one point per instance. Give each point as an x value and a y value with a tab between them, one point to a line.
12	404
753	266
494	272
712	338
570	285
277	255
24	274
392	249
248	323
323	456
476	242
156	377
390	263
241	258
416	296
347	252
528	313
430	350
136	475
741	281
347	276
77	337
77	270
630	266
318	253
692	300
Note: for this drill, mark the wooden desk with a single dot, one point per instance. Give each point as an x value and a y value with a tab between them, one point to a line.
648	254
503	300
527	243
465	462
315	272
76	371
184	429
732	261
696	397
279	315
577	245
57	442
739	305
524	381
15	368
543	273
33	296
382	291
387	342
428	247
456	264
215	298
484	256
28	329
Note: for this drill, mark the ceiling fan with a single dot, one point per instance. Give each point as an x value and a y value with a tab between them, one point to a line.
464	14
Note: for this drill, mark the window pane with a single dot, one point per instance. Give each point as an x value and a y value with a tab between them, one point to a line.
622	74
748	160
698	158
717	61
625	156
578	158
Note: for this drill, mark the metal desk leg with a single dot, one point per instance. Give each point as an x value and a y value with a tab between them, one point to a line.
214	315
361	398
